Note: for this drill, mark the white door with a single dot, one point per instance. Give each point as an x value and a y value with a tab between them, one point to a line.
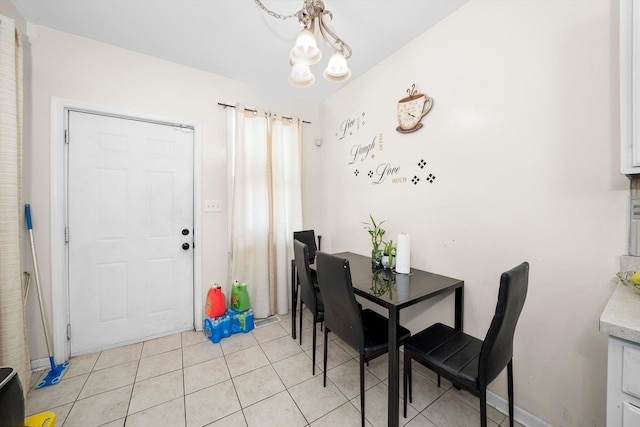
130	230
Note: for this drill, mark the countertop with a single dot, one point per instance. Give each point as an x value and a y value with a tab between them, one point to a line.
621	316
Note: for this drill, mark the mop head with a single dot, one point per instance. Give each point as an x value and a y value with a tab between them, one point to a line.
54	375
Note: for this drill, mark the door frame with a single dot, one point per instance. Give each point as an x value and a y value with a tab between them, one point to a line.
58	211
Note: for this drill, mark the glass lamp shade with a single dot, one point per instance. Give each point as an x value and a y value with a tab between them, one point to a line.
306	48
337	69
301	75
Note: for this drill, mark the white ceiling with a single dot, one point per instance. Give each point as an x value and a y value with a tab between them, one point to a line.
235	38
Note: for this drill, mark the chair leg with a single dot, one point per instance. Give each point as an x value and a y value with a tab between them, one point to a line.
326	342
405	376
362	389
410	376
510	390
300	329
313	370
483	406
438	380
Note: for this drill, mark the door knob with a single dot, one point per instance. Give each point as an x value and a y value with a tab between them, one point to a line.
185	232
185	246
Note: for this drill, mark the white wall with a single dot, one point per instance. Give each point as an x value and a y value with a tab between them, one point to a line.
79	69
523	141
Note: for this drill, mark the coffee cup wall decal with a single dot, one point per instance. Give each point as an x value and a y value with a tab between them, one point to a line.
411	110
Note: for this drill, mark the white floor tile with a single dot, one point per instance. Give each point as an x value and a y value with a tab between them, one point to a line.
237	342
257	385
336	355
211	404
376	404
314	400
109	379
245	361
193	337
347	378
159	364
199	353
425	391
448	410
345	416
166	414
296	369
100	409
205	374
161	345
118	356
275	411
234	420
155	391
281	348
81	365
269	332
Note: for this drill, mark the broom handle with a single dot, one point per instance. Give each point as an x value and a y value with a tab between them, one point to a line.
27	210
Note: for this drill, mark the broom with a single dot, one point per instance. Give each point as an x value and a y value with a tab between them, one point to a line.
56	372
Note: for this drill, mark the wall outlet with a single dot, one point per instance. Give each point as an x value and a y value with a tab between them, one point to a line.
213	205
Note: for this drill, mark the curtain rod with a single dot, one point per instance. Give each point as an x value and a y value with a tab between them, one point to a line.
255	111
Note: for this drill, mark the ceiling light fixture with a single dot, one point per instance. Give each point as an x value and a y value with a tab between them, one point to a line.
305	52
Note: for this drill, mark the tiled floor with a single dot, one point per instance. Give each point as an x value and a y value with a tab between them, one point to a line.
262	378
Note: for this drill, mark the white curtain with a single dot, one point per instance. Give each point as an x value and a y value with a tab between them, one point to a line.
266	205
13	332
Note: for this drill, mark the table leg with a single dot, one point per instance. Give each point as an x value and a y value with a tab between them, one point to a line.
294	299
394	368
459	316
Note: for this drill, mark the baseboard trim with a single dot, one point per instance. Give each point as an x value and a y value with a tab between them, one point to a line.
523	417
40	364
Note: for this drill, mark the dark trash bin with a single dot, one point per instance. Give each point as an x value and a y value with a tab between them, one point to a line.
11	398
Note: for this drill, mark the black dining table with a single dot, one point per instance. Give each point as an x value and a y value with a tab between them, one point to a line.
395	292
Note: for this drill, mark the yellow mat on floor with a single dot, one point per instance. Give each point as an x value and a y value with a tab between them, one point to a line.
43	419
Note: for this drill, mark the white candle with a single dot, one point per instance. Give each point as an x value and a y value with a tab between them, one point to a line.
403	254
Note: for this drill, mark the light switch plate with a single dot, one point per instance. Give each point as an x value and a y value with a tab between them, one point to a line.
213	205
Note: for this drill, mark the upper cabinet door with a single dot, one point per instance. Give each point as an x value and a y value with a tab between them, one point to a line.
630	86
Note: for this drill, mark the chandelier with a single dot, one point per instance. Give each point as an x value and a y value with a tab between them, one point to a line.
305	52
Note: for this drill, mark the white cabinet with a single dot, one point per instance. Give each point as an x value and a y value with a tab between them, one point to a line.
630	86
623	383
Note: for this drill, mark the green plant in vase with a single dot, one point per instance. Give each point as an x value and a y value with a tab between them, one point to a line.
376	232
383	282
388	255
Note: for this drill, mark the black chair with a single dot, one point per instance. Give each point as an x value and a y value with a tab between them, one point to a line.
364	330
308	237
310	295
469	363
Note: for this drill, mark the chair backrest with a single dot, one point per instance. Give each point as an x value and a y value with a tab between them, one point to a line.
308	237
497	348
341	313
301	256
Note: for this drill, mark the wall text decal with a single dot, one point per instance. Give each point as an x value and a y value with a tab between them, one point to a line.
349	125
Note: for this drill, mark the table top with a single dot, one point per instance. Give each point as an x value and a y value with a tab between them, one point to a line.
620	316
390	289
